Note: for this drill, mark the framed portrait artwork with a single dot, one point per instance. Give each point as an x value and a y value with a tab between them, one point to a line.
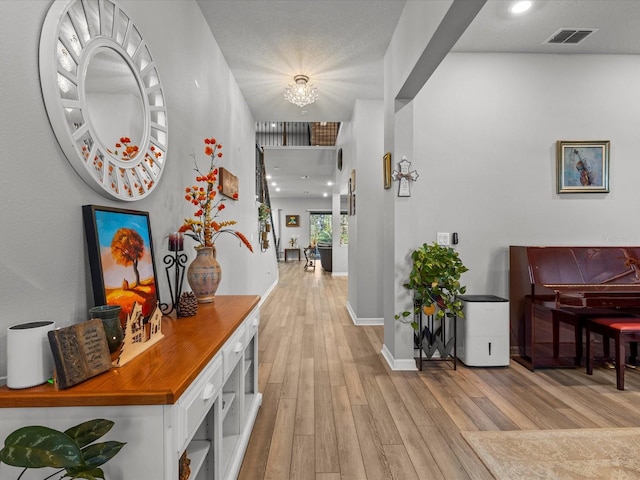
292	220
583	167
121	260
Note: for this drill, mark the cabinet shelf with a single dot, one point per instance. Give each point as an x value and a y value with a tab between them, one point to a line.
197	453
247	366
227	401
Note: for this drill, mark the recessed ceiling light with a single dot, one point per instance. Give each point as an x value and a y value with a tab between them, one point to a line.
520	7
329	183
324	194
278	189
273	184
268	177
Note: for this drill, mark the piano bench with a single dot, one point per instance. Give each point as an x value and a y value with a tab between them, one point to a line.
577	318
622	330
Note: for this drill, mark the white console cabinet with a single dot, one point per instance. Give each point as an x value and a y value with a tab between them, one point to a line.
195	390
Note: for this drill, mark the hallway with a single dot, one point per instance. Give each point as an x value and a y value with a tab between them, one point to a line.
333	410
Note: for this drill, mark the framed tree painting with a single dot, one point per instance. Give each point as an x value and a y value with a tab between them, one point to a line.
121	259
583	167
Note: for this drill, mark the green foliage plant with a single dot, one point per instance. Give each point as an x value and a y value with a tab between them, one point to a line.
435	278
263	212
71	451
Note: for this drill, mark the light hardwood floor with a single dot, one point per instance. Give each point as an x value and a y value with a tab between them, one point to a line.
333	410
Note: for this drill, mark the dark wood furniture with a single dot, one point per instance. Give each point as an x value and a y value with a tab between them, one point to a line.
552	288
621	330
295	251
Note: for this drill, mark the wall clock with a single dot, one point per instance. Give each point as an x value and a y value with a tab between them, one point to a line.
103	96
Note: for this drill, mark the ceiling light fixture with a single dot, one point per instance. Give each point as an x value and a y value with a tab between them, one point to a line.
302	93
520	7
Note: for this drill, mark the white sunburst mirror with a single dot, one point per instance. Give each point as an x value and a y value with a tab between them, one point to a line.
104	98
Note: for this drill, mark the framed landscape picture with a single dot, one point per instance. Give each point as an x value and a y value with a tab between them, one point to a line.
583	167
120	251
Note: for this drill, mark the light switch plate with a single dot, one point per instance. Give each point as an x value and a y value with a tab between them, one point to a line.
443	239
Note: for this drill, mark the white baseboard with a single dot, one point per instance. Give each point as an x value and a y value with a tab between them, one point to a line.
268	292
405	364
361	322
339	274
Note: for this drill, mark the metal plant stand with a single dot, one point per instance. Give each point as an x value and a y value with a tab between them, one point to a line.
432	339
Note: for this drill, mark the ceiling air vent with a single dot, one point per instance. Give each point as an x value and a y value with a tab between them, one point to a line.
570	36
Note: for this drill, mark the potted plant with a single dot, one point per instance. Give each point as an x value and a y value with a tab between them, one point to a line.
71	451
435	280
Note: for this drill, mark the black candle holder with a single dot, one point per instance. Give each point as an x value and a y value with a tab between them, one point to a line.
175	261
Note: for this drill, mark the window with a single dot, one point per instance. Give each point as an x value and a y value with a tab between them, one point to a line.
320	230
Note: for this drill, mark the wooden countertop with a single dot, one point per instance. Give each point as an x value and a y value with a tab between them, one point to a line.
157	376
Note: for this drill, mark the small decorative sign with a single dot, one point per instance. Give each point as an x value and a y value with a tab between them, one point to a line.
228	184
405	177
136	337
79	352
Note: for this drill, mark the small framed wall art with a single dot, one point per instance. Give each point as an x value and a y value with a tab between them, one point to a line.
229	184
292	221
386	170
583	167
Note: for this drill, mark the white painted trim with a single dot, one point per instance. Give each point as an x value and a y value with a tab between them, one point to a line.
268	292
404	364
361	322
339	274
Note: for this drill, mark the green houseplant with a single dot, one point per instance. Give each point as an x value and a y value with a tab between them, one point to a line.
435	280
71	451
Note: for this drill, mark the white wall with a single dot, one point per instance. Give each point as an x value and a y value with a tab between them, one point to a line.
44	272
296	206
365	136
487	162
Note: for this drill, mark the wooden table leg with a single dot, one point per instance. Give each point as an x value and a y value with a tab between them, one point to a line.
620	358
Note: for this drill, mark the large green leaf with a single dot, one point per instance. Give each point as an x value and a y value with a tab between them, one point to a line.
94	474
90	431
38	447
94	456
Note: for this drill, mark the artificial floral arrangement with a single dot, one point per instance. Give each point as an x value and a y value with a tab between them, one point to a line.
71	451
205	228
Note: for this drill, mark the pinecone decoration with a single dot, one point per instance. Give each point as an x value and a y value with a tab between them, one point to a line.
184	470
188	305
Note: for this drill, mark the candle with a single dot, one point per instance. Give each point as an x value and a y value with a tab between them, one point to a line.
176	242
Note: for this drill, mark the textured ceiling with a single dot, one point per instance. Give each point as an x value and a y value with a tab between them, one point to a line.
340	45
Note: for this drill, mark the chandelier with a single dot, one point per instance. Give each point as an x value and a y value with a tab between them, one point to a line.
302	93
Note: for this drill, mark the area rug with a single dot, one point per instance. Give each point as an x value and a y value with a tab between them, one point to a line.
607	454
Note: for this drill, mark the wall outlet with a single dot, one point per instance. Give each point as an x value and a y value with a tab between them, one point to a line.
443	239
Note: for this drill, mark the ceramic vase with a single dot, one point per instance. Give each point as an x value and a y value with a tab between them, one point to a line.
110	316
204	274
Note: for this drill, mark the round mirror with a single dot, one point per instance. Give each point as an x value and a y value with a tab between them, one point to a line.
103	96
114	103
